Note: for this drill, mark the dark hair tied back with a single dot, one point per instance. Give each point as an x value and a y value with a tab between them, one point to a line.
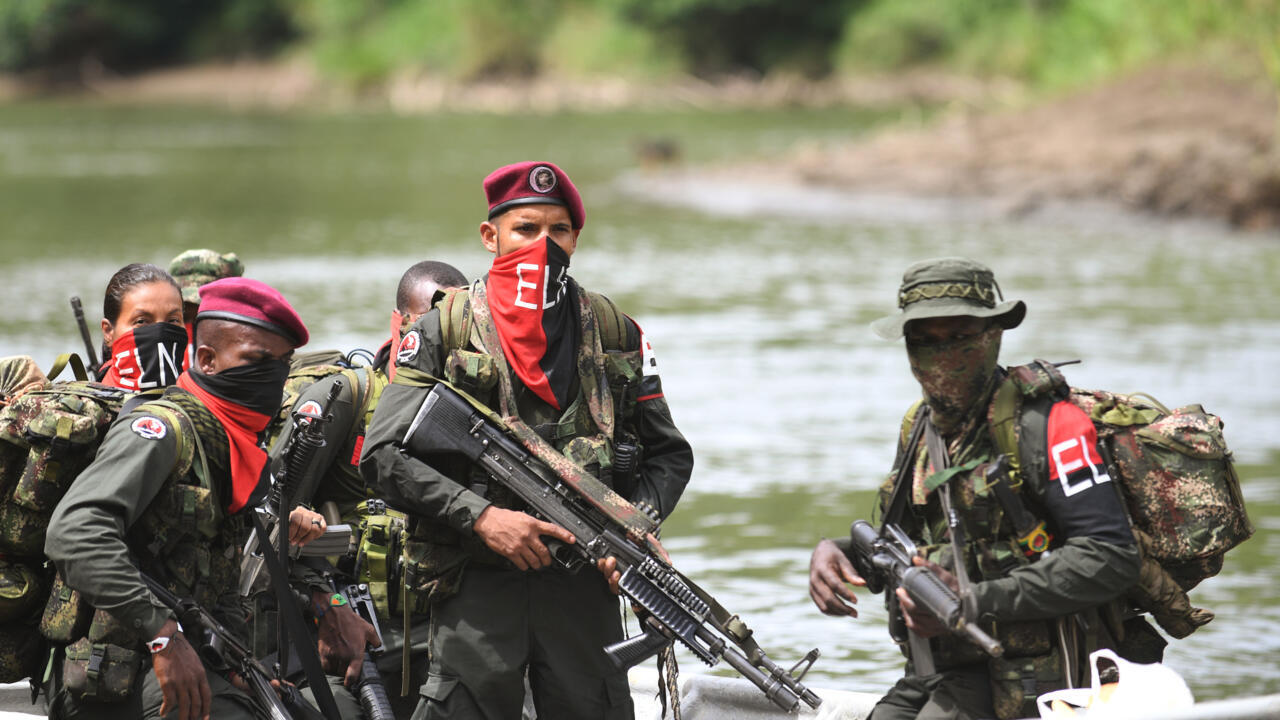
126	279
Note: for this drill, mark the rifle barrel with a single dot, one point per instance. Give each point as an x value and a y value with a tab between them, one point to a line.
78	309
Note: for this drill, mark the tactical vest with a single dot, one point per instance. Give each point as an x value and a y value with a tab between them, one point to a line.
1180	491
599	420
1033	661
184	539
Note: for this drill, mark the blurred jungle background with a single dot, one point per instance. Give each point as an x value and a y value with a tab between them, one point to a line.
757	174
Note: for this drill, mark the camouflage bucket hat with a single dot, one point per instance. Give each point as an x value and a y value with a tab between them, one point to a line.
949	287
194	268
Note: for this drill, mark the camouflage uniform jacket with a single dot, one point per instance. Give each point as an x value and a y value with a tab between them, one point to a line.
448	502
140	506
1093	557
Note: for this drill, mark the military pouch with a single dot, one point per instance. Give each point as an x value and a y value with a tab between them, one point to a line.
104	628
66	615
378	555
22	589
473	372
1017	682
21	652
100	671
433	571
624	370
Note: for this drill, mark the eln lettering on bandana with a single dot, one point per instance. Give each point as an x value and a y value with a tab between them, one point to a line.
243	399
147	356
534	306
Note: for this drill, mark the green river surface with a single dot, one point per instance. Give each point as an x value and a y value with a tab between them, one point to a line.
757	299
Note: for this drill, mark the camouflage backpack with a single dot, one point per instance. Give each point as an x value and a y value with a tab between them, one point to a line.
1172	468
48	434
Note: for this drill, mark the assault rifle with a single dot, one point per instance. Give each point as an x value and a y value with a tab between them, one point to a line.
605	525
884	561
369	688
221	651
89	352
299	454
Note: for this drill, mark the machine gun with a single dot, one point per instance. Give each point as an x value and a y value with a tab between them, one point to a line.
603	525
885	561
221	651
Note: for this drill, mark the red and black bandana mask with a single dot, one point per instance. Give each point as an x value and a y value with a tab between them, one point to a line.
244	399
534	304
147	356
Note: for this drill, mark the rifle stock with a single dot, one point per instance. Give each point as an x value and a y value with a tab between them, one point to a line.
677	609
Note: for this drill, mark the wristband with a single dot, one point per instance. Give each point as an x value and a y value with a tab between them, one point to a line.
335	600
159	643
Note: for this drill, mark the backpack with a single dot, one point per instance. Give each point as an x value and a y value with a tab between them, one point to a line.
1172	468
49	432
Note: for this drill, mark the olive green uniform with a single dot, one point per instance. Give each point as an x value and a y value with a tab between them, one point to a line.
1093	560
139	505
502	622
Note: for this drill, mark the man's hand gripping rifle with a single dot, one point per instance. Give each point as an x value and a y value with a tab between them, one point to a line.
603	525
886	560
221	651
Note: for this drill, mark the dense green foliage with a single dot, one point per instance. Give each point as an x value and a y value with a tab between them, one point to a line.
1048	43
123	35
724	36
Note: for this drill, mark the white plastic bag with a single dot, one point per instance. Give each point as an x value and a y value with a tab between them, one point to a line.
1142	690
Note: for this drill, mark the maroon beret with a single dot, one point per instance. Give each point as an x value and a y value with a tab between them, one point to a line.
533	183
244	300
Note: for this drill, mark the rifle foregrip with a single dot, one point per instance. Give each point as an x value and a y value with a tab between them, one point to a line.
372	693
936	596
636	649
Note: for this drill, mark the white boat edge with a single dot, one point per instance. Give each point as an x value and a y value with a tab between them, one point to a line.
711	697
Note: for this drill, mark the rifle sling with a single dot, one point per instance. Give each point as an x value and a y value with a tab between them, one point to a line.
906	468
291	619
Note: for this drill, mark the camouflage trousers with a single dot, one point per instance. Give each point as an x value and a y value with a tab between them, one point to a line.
962	693
228	702
503	624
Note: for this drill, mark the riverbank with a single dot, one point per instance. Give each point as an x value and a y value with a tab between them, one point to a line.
1196	139
295	85
1174	140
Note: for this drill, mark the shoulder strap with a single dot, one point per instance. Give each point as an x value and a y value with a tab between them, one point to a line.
73	360
177	417
906	465
610	320
455	318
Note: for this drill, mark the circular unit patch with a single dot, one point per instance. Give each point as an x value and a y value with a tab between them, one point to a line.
149	428
542	179
409	347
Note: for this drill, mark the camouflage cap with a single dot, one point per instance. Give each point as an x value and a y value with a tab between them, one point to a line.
194	268
949	287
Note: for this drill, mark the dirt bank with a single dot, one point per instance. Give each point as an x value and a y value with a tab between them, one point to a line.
1173	140
293	84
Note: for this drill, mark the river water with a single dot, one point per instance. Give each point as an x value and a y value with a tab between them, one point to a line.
756	298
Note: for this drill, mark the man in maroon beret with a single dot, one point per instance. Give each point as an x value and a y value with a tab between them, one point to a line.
165	495
531	344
